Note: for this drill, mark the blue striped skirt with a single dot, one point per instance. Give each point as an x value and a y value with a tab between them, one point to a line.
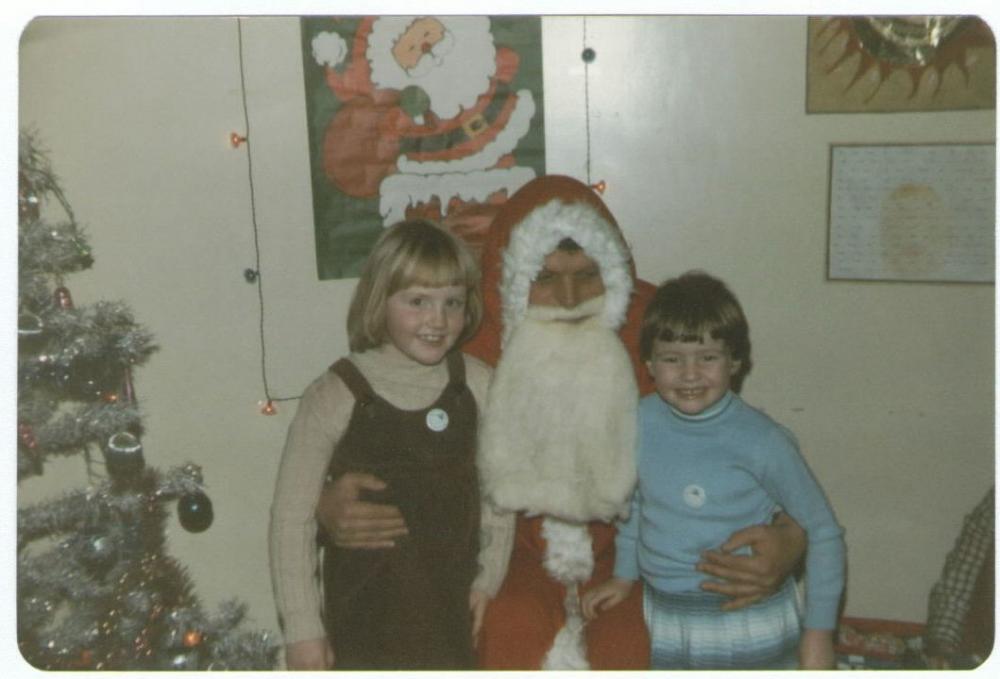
690	631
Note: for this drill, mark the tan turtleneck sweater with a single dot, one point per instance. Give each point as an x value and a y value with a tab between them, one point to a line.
320	420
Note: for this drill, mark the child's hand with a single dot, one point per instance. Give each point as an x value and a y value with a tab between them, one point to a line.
477	604
314	654
609	593
816	650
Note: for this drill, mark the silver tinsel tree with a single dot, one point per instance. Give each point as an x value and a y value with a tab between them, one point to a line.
95	588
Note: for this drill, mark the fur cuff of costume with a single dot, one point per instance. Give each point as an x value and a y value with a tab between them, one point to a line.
539	234
569	558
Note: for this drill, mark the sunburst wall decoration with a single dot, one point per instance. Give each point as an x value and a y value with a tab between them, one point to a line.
900	63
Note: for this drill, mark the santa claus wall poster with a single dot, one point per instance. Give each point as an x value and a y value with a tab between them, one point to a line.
431	116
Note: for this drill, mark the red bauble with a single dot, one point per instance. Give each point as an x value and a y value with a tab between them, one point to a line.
63	298
27	436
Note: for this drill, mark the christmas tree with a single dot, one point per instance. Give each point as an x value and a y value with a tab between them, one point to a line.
95	588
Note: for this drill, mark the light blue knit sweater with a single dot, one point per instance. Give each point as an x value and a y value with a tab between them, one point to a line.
702	478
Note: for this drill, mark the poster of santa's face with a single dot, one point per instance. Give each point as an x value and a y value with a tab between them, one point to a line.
437	117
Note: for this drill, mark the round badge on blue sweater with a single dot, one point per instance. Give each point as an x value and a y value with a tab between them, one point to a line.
694	496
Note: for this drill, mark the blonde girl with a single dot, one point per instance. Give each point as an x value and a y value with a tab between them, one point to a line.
402	407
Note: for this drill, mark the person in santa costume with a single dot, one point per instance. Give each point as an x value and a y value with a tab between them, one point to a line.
562	314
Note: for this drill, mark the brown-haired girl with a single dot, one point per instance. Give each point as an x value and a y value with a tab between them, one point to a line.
709	463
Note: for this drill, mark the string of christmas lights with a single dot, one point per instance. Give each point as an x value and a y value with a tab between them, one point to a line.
254	275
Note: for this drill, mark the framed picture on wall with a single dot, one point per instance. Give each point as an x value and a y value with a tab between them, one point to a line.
865	64
439	117
912	212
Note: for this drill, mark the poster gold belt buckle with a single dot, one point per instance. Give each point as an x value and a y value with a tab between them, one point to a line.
475	125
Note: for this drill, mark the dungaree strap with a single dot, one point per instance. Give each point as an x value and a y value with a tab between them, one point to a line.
456	369
355	381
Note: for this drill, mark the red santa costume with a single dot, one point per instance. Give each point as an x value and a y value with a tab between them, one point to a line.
435	134
556	447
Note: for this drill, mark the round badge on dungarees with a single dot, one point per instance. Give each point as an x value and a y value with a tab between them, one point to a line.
437	420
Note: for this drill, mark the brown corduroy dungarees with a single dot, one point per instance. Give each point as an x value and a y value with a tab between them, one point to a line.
408	607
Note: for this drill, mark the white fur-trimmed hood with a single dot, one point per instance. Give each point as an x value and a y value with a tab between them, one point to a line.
538	234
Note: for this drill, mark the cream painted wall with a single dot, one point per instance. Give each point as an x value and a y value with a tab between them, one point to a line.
697	125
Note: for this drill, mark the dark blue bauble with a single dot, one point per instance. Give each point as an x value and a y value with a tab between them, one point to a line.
195	512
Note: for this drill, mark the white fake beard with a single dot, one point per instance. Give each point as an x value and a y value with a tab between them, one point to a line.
559	431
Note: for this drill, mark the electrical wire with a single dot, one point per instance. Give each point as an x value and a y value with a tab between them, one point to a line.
258	276
586	93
